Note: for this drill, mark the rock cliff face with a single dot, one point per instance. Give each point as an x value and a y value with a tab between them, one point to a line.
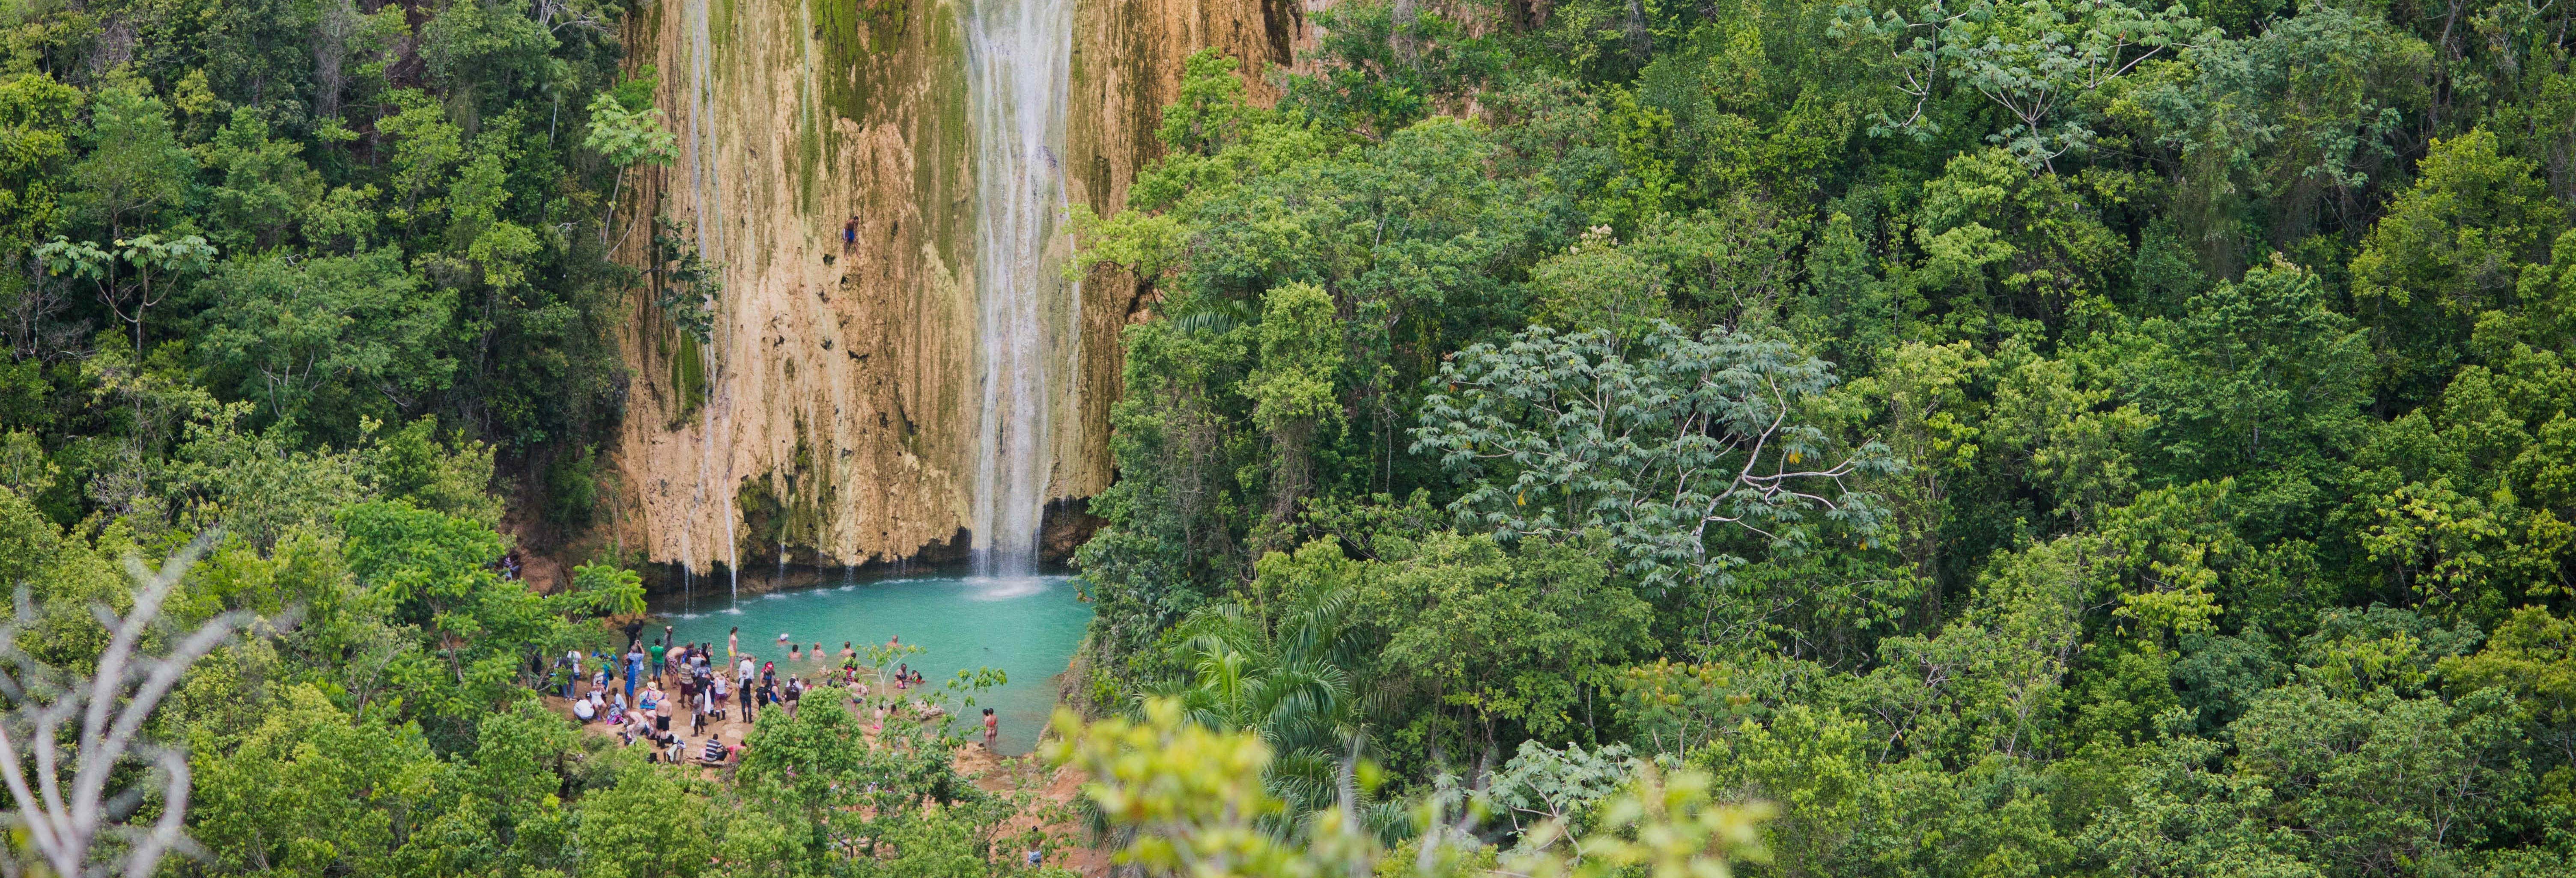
829	421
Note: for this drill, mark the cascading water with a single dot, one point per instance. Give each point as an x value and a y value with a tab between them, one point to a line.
1019	69
706	182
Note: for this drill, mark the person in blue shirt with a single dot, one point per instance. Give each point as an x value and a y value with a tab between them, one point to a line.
634	668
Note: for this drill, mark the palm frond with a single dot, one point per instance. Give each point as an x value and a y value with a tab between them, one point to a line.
1215	316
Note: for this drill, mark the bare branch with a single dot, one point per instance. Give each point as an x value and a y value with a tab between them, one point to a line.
65	821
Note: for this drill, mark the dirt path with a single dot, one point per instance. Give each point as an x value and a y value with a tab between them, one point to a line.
1050	807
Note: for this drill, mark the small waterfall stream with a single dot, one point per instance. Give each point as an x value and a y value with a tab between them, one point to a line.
706	183
1018	74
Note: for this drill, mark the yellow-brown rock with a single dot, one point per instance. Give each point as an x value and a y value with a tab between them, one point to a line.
830	419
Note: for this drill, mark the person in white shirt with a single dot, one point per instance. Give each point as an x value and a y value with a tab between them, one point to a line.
744	672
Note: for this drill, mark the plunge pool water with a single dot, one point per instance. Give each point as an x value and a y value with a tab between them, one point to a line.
1027	627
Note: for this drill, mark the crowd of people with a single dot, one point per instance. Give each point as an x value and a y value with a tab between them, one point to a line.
628	692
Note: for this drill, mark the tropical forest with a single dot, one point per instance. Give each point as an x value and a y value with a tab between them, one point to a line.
1322	439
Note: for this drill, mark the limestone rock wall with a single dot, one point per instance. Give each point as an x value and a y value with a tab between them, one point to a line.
1126	67
830	419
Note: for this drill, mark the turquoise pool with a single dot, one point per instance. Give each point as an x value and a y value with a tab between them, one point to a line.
1027	627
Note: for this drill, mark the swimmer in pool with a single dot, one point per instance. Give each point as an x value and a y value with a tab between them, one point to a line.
794	653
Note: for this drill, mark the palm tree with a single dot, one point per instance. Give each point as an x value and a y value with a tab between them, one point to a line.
1300	682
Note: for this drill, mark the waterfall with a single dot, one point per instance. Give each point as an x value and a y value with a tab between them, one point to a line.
706	184
1018	69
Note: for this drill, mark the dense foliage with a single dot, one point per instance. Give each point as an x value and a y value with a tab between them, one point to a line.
2068	437
326	278
2014	438
381	716
271	225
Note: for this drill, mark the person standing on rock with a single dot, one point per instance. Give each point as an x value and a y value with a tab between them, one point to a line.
733	643
992	730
